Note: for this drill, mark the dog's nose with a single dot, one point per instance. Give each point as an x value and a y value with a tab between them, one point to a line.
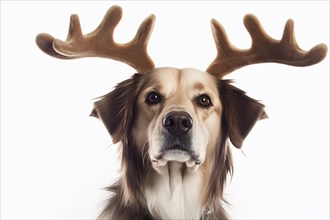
177	122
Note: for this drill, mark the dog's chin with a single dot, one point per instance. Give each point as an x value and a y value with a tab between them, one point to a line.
181	156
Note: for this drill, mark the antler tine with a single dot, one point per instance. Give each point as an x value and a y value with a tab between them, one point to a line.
226	51
92	44
100	43
263	49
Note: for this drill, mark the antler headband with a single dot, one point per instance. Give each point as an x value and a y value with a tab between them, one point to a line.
100	43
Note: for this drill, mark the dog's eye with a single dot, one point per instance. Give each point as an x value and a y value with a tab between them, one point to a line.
204	101
153	98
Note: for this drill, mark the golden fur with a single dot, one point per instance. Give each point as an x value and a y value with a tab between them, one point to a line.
157	183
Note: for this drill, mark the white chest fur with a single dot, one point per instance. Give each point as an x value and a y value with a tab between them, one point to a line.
176	194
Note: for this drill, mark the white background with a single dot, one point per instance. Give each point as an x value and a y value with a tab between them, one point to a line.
55	160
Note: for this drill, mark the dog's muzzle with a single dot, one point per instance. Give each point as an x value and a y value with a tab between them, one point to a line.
177	139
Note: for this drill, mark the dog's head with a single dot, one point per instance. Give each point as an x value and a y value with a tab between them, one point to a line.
178	114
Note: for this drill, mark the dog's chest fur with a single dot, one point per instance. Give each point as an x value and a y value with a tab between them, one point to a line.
176	194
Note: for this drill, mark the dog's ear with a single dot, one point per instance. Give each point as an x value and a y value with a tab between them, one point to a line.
240	112
116	109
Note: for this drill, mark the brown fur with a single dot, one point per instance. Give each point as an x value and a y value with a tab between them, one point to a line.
118	111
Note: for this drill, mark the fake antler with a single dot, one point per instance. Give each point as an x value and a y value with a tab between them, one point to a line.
100	43
263	49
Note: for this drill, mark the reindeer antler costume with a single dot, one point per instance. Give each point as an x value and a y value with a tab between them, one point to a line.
100	43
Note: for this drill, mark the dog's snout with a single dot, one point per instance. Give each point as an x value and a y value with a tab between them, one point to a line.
177	122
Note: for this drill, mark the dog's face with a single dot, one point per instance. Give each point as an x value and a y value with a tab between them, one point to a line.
177	115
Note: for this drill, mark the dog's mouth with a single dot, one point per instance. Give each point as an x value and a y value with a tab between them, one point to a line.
177	153
177	149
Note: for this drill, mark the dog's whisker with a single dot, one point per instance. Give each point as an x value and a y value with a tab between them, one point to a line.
144	153
147	176
110	145
243	153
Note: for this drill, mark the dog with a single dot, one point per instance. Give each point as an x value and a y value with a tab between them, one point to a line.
175	126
